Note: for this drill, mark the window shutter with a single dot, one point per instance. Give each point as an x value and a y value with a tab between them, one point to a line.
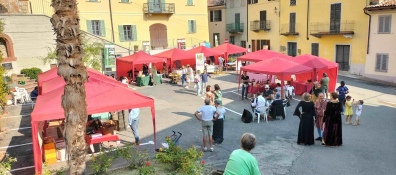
150	5
211	15
189	2
189	26
134	33
380	24
387	24
121	33
220	17
195	26
89	26
162	5
378	62
102	28
384	63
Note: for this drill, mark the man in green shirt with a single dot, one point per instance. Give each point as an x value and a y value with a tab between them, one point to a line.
324	83
241	162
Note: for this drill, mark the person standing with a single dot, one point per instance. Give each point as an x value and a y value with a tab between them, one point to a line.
218	95
320	106
307	114
204	77
324	84
316	89
183	77
220	67
134	123
218	125
348	110
241	161
342	91
208	115
209	94
197	80
332	133
359	108
245	85
154	75
190	75
145	70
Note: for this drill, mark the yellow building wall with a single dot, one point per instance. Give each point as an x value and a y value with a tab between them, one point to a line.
132	14
218	26
273	34
320	12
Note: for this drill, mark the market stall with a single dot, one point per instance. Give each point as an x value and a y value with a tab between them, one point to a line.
176	54
101	96
228	49
281	67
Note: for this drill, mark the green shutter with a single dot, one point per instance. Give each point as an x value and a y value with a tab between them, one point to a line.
163	5
384	64
378	62
190	2
121	33
189	26
134	33
195	26
150	5
89	26
102	28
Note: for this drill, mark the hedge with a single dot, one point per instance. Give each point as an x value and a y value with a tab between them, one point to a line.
31	72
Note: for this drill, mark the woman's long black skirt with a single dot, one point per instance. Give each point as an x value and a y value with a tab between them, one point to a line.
218	127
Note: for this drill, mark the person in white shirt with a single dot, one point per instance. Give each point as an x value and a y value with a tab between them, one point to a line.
221	61
290	90
134	122
260	103
358	113
208	115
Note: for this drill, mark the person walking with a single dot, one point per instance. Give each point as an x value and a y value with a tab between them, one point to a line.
342	91
320	106
241	161
197	80
208	115
332	133
134	123
358	113
204	77
307	114
245	85
324	84
218	125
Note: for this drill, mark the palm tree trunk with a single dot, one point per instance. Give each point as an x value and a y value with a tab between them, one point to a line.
65	22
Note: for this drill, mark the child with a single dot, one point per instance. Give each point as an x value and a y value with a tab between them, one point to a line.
348	110
197	81
359	107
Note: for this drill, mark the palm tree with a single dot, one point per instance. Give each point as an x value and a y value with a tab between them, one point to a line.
69	51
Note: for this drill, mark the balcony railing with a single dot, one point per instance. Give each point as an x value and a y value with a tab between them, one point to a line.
289	29
216	3
260	25
372	2
319	29
235	27
159	8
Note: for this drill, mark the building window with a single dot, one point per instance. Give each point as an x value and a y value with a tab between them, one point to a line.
381	62
127	32
384	24
232	39
96	27
292	23
252	1
190	2
243	44
315	49
292	49
293	2
216	39
215	16
192	26
124	1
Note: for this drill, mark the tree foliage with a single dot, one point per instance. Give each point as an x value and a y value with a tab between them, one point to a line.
92	57
4	89
32	73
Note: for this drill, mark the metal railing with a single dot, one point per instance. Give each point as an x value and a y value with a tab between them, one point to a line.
160	8
331	28
260	25
235	27
290	29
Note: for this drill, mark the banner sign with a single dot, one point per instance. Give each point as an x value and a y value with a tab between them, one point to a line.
199	62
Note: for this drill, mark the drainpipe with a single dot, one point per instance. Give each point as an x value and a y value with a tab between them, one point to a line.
307	19
369	28
111	20
247	24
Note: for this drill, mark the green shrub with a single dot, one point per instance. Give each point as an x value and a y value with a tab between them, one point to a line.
31	72
5	164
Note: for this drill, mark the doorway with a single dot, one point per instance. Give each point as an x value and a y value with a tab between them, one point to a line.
158	36
342	56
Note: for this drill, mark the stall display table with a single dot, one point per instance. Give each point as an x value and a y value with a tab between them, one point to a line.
212	68
231	66
90	141
300	88
145	81
255	89
175	78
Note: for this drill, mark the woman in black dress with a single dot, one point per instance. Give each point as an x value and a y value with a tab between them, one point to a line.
307	114
332	133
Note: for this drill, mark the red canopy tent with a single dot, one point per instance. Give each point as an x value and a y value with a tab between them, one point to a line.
206	51
261	55
101	96
228	48
124	64
275	66
320	66
176	54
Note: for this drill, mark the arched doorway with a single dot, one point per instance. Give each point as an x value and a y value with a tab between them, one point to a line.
7	48
158	36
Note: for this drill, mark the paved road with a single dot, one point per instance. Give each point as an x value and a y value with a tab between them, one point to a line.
368	148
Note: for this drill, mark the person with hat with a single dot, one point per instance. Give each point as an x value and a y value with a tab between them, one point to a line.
267	90
324	83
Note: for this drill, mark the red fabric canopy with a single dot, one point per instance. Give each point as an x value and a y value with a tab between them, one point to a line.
206	51
314	62
141	57
261	55
52	73
276	66
230	48
102	95
176	54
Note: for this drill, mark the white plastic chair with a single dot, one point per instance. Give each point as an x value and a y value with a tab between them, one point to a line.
263	111
17	96
25	95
